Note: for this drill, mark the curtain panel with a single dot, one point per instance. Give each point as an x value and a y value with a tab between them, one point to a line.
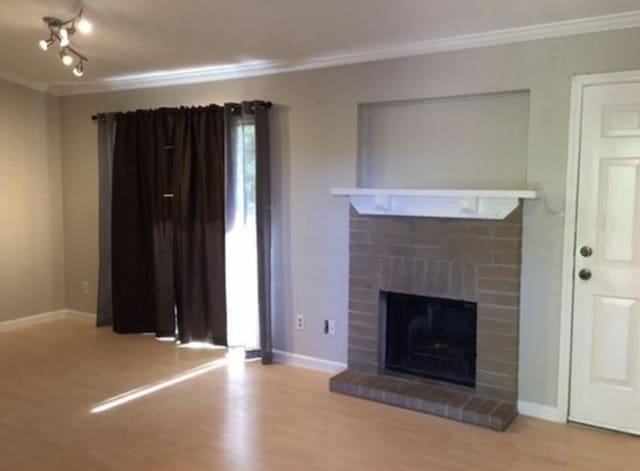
134	205
199	224
106	141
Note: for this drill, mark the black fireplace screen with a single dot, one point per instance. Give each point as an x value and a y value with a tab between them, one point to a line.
431	337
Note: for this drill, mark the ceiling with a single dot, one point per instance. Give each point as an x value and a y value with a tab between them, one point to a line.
139	37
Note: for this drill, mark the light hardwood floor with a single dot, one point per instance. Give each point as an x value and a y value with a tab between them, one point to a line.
239	416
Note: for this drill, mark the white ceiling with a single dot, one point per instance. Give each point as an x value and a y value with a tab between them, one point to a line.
142	36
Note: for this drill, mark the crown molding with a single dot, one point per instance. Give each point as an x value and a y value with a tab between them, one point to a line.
258	68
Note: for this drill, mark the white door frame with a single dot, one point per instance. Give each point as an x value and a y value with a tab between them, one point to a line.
578	84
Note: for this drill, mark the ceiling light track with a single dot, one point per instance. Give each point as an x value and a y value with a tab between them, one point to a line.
61	31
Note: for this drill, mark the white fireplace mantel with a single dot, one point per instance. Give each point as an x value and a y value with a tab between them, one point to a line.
467	204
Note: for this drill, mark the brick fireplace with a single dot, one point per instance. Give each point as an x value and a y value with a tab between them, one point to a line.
469	260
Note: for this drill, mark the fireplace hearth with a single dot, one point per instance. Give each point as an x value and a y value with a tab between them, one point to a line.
430	337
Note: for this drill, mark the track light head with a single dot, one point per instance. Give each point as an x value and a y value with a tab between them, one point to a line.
84	26
78	70
45	44
67	59
64	37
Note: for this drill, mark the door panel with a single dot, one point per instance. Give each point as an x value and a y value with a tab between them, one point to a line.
618	209
605	368
614	341
621	121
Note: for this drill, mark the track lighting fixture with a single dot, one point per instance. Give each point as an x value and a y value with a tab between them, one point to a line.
62	31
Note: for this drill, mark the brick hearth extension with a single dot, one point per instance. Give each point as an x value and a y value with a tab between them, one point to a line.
470	260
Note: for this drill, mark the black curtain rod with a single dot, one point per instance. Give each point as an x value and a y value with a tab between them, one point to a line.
96	117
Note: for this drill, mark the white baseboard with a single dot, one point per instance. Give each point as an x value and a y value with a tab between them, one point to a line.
79	315
32	320
45	317
541	411
304	361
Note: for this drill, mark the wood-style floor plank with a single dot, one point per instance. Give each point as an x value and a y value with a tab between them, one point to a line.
240	416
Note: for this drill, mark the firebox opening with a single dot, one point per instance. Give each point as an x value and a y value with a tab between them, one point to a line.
431	337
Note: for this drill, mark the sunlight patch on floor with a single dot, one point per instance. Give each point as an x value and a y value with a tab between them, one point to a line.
146	390
201	346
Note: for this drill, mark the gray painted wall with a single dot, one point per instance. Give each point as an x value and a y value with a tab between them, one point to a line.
31	235
315	137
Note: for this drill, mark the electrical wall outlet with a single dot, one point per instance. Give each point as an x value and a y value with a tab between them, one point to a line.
332	327
329	327
299	322
85	287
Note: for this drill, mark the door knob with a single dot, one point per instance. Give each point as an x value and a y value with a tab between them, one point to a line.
586	251
584	274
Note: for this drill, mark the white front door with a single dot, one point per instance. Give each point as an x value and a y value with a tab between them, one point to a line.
605	367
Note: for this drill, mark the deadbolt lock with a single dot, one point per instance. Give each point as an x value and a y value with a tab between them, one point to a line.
586	251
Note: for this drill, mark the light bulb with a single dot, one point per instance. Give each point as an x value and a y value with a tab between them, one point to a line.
78	70
64	37
84	26
44	44
67	59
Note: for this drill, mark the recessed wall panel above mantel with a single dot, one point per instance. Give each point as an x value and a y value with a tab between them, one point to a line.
473	141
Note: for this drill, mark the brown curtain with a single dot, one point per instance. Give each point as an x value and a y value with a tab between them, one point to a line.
199	224
168	223
160	173
132	275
